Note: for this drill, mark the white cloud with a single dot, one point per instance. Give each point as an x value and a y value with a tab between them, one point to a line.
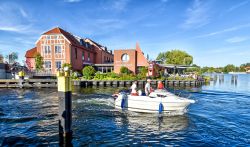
235	28
117	5
14	18
197	15
120	4
18	29
110	23
24	13
238	5
236	39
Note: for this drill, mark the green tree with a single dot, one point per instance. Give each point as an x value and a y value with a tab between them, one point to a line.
243	66
67	65
143	71
88	72
175	57
162	57
124	70
12	57
39	62
229	68
188	60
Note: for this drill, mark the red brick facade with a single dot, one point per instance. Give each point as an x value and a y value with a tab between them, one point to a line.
130	58
30	58
58	46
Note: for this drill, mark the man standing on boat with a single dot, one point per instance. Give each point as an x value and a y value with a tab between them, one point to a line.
133	87
148	87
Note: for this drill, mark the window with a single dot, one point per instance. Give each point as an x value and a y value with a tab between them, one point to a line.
125	57
47	37
76	53
46	49
81	42
82	56
58	64
47	64
58	49
87	45
55	37
88	56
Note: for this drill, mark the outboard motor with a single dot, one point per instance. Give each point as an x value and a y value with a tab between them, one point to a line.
161	108
124	101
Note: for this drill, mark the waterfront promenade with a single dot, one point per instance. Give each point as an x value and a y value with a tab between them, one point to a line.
52	83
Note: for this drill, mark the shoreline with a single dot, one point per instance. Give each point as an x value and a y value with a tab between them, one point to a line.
52	83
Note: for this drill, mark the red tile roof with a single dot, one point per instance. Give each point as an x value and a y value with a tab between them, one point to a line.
69	36
31	53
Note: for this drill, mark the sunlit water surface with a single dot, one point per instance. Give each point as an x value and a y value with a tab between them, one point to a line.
220	117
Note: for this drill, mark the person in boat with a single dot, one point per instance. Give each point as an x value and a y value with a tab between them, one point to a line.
148	88
160	85
133	88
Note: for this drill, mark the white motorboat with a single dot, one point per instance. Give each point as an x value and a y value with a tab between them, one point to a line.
159	101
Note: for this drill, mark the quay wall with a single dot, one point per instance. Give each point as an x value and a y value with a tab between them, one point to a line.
52	83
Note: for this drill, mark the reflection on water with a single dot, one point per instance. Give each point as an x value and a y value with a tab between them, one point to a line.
151	122
220	117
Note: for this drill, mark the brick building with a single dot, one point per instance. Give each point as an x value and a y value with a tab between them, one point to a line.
133	59
58	46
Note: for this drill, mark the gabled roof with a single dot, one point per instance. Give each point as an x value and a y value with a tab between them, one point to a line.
97	45
31	53
73	40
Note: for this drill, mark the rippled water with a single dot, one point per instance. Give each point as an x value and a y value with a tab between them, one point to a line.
220	117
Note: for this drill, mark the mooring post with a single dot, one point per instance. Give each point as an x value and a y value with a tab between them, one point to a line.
65	107
21	75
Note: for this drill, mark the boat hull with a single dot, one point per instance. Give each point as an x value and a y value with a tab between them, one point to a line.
151	104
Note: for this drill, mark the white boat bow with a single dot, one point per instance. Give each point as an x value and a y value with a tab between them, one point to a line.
159	101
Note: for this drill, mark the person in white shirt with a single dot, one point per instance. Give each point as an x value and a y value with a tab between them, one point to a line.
133	87
147	87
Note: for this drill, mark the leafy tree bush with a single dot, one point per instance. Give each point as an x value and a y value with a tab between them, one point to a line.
229	68
39	62
128	77
243	66
112	75
88	72
142	72
175	57
124	70
100	76
180	78
67	65
12	57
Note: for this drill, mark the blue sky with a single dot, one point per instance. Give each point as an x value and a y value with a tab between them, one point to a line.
214	32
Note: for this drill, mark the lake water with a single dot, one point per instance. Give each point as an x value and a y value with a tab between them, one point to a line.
220	117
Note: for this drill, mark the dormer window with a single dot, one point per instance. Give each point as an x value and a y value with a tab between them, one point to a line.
87	45
81	42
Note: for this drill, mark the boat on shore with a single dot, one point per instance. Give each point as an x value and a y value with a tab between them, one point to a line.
159	101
